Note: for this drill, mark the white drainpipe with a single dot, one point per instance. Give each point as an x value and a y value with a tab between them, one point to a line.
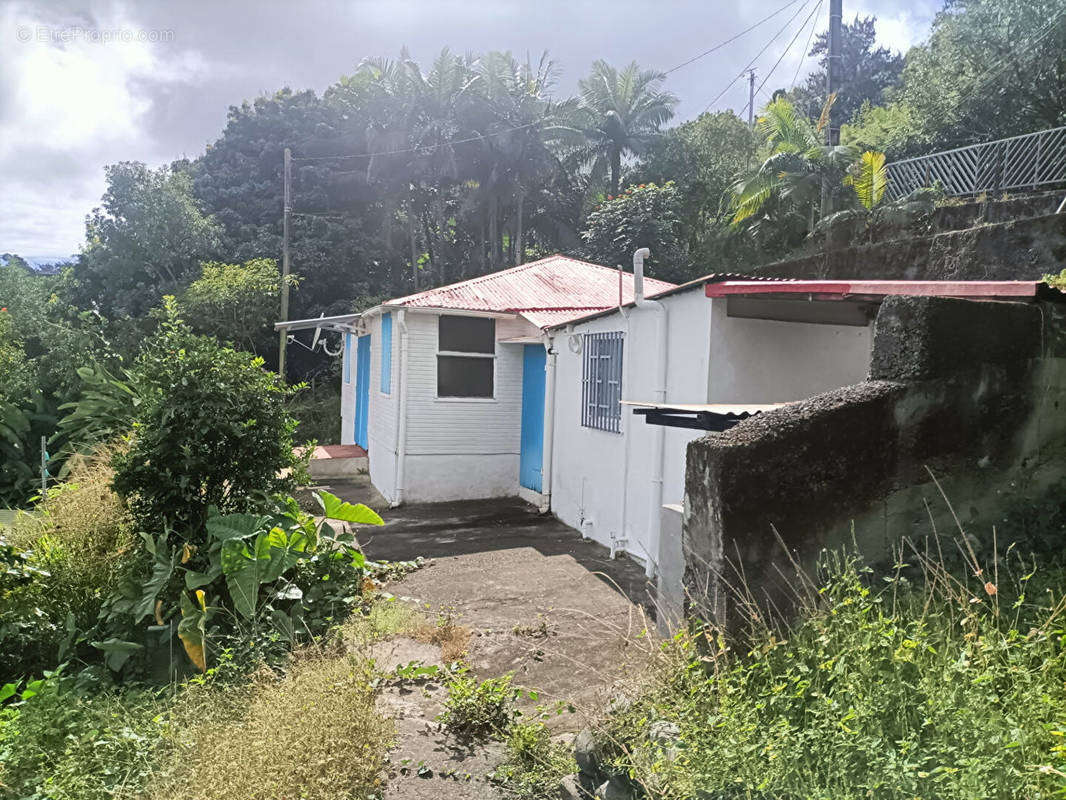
549	424
655	522
401	402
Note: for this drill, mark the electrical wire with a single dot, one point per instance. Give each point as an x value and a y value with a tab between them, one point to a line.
806	49
757	57
731	39
784	53
428	148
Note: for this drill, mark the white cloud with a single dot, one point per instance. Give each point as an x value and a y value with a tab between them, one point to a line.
77	89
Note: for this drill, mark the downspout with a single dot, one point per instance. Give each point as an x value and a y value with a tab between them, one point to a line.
401	402
658	449
549	424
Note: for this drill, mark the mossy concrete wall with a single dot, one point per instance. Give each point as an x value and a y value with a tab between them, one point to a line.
973	393
1022	249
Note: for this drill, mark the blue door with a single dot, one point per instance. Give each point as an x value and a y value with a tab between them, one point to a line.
531	461
362	390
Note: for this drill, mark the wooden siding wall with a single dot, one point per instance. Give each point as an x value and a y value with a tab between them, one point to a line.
463	427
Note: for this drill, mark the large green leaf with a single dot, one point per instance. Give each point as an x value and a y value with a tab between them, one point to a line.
116	651
335	508
245	570
286	550
235	526
198	580
162	568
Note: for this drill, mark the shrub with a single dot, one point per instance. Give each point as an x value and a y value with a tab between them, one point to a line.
884	691
61	743
313	734
29	634
212	431
535	763
256	584
480	708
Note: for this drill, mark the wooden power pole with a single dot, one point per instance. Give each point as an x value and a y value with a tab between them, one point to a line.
283	337
832	86
833	71
751	98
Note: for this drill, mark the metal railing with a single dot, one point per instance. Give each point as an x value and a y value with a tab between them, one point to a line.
1020	162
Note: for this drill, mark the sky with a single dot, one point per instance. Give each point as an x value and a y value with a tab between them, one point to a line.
86	84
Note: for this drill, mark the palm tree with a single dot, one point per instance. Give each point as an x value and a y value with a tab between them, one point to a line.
624	112
784	194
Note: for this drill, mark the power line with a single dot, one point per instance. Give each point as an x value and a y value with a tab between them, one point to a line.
730	40
807	49
757	57
789	47
422	148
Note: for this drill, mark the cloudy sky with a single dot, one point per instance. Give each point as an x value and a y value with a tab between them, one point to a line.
84	84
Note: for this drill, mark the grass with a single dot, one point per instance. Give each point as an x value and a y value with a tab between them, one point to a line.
312	734
948	687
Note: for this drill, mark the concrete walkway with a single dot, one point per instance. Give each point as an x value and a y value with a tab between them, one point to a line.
541	603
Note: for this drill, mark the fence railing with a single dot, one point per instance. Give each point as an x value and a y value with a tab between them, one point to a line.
1020	162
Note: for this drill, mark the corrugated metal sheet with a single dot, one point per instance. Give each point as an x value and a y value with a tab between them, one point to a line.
838	290
546	287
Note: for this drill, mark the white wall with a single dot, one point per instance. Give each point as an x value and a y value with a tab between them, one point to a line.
767	361
456	449
601	481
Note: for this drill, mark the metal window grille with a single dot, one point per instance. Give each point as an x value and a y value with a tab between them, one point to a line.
601	390
1020	162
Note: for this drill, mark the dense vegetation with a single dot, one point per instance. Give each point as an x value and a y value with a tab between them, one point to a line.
165	602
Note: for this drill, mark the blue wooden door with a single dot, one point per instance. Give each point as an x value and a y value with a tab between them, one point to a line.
531	461
362	390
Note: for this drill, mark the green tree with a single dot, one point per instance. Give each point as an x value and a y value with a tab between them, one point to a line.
235	302
642	216
780	200
703	157
624	112
210	430
146	240
988	70
867	71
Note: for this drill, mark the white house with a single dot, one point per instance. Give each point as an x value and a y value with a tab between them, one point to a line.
445	389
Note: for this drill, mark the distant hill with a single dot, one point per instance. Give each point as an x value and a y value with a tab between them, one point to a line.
45	264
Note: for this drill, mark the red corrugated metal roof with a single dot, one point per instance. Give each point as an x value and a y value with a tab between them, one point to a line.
859	289
547	292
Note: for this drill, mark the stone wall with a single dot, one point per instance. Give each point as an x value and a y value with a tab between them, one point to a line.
966	391
1021	249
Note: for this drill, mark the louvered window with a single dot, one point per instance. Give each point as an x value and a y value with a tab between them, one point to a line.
601	391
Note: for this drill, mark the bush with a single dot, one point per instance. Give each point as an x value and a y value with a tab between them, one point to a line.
480	709
954	691
314	734
61	743
212	431
535	763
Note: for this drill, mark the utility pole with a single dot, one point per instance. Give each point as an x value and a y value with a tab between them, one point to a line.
751	98
286	202
833	70
832	86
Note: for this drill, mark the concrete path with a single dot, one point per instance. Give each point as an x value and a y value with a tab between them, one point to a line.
541	603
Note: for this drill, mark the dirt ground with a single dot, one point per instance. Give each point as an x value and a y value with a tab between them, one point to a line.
541	603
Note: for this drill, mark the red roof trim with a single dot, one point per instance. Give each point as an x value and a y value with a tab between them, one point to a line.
839	290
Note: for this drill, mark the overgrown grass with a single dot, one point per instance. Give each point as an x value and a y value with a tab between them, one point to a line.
312	734
879	688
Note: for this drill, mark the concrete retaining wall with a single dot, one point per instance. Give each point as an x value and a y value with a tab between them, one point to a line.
973	392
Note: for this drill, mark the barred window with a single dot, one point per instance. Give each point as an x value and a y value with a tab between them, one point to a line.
601	392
